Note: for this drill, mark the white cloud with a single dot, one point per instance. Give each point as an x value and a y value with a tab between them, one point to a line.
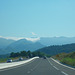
13	38
33	33
18	38
33	39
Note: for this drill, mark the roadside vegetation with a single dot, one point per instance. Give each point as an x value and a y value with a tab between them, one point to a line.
23	54
3	60
28	54
66	58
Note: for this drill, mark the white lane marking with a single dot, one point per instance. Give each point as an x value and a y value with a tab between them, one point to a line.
56	68
64	73
36	66
62	64
16	66
52	65
49	62
31	70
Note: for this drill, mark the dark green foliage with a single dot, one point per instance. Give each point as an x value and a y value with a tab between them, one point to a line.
56	49
38	53
15	54
28	54
23	53
70	55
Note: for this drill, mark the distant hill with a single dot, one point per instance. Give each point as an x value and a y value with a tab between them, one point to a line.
47	41
5	42
56	49
21	45
7	46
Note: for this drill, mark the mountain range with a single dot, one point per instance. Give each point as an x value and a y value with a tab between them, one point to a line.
47	41
5	42
56	49
8	45
21	45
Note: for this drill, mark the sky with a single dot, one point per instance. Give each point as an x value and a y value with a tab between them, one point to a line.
37	18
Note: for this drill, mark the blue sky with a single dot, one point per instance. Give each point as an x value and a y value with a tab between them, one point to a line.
41	18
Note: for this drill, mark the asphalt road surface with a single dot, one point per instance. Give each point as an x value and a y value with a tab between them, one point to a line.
38	66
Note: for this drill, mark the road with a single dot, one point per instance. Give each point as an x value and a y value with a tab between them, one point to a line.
38	66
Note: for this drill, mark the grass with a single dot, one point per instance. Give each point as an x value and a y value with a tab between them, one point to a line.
2	60
68	61
66	58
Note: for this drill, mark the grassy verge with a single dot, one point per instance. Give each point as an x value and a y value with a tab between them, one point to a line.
66	58
68	61
2	60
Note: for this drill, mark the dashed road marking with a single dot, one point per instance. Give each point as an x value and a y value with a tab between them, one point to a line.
56	68
49	62
31	70
64	73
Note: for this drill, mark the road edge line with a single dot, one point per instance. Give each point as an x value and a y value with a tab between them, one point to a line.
62	64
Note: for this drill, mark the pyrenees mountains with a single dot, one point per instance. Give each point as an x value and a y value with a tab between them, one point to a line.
24	44
5	42
56	40
7	46
21	45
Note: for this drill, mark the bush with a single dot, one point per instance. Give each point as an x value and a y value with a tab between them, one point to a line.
68	61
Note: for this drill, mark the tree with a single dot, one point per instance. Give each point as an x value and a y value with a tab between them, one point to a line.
23	53
29	54
12	54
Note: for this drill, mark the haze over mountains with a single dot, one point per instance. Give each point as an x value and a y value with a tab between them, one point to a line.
7	46
21	45
56	40
5	42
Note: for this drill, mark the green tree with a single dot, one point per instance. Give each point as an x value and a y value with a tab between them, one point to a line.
29	54
12	54
23	53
